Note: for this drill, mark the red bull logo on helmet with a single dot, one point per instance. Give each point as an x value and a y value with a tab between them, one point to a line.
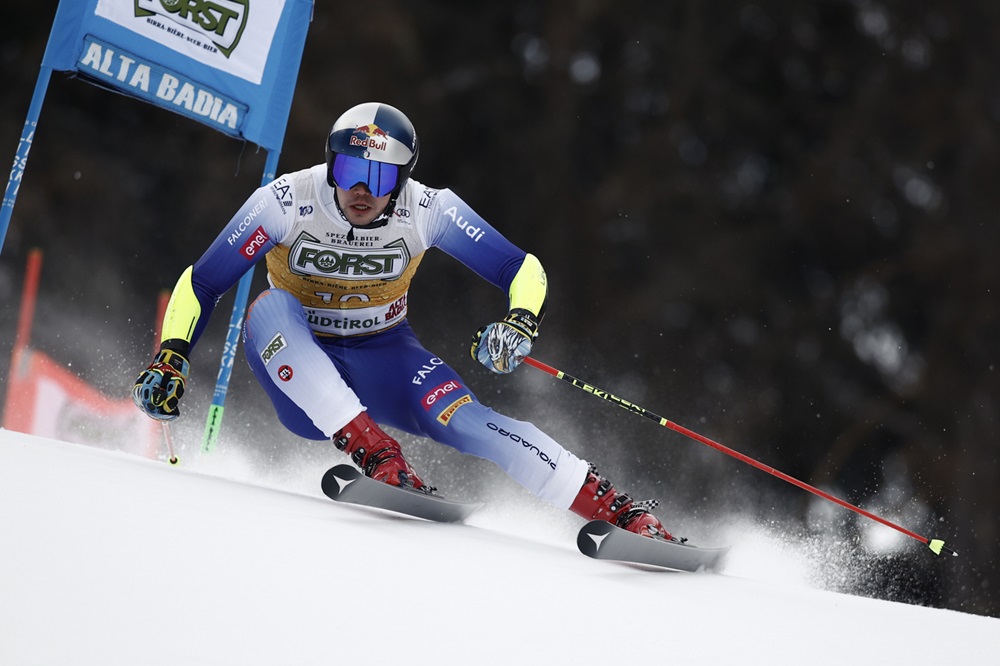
370	136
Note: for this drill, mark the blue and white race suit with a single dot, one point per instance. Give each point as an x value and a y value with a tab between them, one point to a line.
331	338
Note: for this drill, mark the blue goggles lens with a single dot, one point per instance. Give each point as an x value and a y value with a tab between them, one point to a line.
379	177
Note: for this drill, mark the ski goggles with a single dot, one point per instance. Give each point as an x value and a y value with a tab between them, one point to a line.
379	177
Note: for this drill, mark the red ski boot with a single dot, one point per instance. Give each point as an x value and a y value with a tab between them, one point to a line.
377	454
599	500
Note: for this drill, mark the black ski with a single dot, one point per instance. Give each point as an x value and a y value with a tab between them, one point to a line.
603	541
345	483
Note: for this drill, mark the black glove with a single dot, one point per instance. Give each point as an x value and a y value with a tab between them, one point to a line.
160	386
502	345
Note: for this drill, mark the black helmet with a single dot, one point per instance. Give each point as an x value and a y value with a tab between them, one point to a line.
379	146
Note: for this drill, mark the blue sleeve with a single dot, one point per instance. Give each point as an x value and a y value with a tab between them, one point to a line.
461	233
259	225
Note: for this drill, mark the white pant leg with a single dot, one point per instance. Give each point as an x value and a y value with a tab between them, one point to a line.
532	458
276	330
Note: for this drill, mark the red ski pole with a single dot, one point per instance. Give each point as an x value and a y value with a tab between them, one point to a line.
936	545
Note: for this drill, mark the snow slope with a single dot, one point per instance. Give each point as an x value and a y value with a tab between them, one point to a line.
113	559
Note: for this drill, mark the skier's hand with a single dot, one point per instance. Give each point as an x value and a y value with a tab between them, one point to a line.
160	386
502	345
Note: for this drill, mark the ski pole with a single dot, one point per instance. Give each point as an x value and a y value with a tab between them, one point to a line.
936	545
169	438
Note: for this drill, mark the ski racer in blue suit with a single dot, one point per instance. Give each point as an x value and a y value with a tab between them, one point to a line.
329	341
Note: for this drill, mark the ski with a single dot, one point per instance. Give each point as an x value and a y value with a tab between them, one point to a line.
345	483
603	541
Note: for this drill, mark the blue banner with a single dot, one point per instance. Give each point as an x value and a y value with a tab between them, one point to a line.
230	64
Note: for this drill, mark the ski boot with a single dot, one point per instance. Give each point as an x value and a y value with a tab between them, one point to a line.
599	500
377	454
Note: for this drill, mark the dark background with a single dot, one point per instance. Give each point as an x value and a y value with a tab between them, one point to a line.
772	223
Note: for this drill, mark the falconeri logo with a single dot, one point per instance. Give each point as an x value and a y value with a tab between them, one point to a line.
220	22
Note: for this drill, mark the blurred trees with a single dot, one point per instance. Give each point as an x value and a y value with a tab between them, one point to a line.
773	223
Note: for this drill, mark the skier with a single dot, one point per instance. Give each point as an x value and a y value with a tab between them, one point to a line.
330	342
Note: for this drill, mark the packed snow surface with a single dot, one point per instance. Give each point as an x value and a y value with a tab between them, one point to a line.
109	558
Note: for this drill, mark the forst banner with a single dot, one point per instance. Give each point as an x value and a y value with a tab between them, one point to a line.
230	64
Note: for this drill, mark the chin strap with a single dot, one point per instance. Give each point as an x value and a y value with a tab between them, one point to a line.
379	221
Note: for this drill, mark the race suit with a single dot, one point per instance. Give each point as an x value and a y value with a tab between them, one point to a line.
331	338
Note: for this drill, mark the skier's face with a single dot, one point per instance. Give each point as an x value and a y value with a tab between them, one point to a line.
359	206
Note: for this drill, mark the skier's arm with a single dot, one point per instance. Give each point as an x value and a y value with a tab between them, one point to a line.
459	231
259	224
501	346
529	288
182	315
